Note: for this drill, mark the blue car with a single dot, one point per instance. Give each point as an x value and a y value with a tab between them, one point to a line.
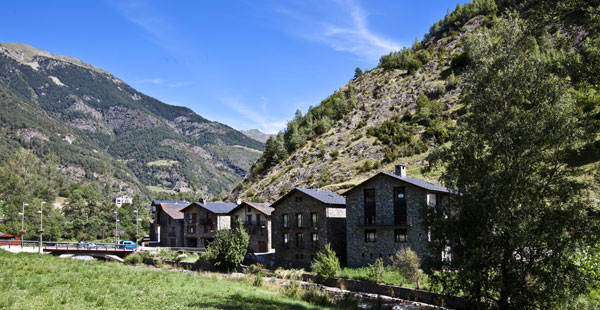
128	245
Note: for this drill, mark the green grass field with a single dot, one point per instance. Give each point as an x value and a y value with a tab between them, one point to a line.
31	281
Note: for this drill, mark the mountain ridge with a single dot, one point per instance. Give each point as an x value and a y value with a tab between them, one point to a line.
100	126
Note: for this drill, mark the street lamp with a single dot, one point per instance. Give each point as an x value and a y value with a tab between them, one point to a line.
137	231
41	212
22	214
116	226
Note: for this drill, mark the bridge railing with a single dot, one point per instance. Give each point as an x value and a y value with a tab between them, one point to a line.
61	245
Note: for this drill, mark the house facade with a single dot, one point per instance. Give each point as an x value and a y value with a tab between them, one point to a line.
303	222
256	218
203	220
168	224
159	223
383	216
120	200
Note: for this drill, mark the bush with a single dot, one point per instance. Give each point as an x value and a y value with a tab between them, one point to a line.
377	271
229	247
133	259
258	280
326	264
406	262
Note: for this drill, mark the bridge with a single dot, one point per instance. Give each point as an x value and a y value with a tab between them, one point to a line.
69	249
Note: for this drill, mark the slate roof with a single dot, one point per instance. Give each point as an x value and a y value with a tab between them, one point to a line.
414	181
324	196
214	207
420	183
158	202
174	210
263	207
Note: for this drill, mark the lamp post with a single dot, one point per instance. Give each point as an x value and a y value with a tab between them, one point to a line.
41	212
22	214
137	231
116	226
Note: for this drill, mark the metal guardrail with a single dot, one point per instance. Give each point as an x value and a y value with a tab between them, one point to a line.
62	245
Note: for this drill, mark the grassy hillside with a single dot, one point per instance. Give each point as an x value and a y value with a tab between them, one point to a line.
412	101
102	129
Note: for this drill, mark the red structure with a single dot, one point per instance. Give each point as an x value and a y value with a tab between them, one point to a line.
8	239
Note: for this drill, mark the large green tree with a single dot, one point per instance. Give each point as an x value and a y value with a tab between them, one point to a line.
520	216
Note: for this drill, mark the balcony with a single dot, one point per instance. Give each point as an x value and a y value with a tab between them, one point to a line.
255	223
388	223
205	221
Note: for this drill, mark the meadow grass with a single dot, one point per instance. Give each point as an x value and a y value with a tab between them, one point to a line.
391	277
33	281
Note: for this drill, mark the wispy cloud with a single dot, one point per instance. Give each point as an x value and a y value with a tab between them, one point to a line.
157	81
156	26
349	32
259	117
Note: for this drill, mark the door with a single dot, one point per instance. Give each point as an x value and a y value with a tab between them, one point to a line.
262	246
400	216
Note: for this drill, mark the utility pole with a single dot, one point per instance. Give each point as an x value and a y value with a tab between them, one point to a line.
22	214
41	223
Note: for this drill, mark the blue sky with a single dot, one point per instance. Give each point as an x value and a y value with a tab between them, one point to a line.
248	64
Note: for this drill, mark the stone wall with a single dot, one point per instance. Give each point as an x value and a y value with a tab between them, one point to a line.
170	230
258	233
362	253
294	256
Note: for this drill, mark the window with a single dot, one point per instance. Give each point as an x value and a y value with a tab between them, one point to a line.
299	241
314	240
299	220
400	235
370	235
369	206
284	220
431	200
314	220
248	219
299	256
190	229
298	199
249	209
286	240
400	211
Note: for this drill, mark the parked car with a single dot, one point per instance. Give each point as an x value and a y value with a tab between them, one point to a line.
124	244
86	245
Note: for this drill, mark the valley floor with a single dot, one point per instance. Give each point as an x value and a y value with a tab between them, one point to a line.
31	281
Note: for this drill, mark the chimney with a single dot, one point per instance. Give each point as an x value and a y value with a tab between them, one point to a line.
202	201
401	170
238	202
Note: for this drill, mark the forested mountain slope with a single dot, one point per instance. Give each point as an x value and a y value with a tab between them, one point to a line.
410	104
102	129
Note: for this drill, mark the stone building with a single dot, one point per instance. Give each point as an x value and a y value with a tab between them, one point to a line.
203	220
383	216
155	224
256	218
168	224
304	221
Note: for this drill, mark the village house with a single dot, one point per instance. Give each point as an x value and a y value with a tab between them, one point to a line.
166	229
203	220
168	223
256	218
120	200
303	222
383	216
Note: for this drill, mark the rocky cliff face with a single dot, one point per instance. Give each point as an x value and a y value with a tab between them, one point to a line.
102	129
